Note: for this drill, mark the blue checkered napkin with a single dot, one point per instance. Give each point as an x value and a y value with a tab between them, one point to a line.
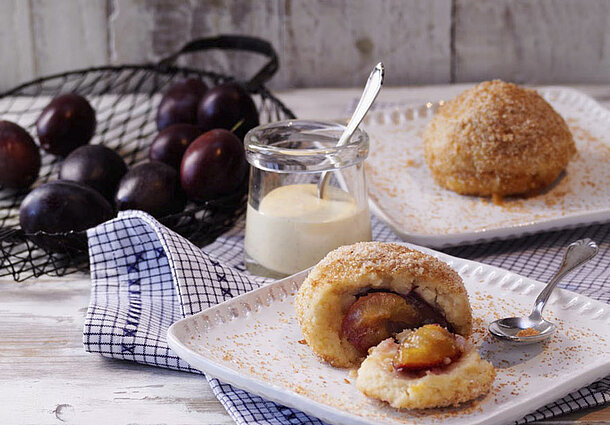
145	277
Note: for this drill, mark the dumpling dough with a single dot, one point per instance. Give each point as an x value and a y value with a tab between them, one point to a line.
466	379
334	283
497	139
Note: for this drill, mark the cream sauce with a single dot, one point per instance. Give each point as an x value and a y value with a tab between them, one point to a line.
293	229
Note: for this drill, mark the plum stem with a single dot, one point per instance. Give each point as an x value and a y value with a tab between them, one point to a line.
237	125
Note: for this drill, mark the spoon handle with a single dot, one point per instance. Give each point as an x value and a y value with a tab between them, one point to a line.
577	254
369	94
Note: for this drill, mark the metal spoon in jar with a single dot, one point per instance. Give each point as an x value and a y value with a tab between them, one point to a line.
532	329
371	90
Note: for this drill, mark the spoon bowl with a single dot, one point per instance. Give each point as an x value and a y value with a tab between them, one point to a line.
532	329
521	330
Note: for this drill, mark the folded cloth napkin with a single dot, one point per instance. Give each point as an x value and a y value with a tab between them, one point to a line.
145	277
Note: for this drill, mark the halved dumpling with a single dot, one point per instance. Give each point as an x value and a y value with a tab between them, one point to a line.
422	371
361	294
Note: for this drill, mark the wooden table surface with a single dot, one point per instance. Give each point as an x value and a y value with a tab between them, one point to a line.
47	378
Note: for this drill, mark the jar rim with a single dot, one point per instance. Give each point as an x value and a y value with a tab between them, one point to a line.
252	143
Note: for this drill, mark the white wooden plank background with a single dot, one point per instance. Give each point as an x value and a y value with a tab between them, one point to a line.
16	45
46	377
339	42
533	41
69	34
320	42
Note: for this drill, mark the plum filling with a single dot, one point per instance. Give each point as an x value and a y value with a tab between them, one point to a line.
430	347
375	317
378	315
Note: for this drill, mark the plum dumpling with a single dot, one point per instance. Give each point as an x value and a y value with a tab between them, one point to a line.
402	317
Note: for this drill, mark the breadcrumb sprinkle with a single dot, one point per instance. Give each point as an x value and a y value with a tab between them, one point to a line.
497	139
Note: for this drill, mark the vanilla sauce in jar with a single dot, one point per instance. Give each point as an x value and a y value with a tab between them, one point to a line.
288	228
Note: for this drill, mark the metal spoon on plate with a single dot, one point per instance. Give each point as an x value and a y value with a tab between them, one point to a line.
371	90
532	329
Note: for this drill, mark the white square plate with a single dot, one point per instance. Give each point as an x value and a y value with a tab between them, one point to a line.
255	343
404	195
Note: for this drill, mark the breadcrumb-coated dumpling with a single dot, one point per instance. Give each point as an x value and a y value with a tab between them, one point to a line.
335	283
497	139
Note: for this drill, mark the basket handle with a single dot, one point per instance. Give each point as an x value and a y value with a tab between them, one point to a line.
233	42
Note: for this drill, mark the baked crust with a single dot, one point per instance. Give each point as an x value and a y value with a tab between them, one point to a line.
333	284
466	379
497	139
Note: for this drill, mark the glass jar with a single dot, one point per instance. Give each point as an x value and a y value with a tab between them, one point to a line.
288	228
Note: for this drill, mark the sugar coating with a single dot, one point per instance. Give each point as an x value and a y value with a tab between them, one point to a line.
497	139
332	285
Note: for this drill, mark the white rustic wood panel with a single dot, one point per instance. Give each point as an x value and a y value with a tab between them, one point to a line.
260	18
337	43
16	48
146	31
46	376
534	41
69	34
320	42
132	27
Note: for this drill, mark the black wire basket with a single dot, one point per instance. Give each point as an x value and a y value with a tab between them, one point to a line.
125	99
